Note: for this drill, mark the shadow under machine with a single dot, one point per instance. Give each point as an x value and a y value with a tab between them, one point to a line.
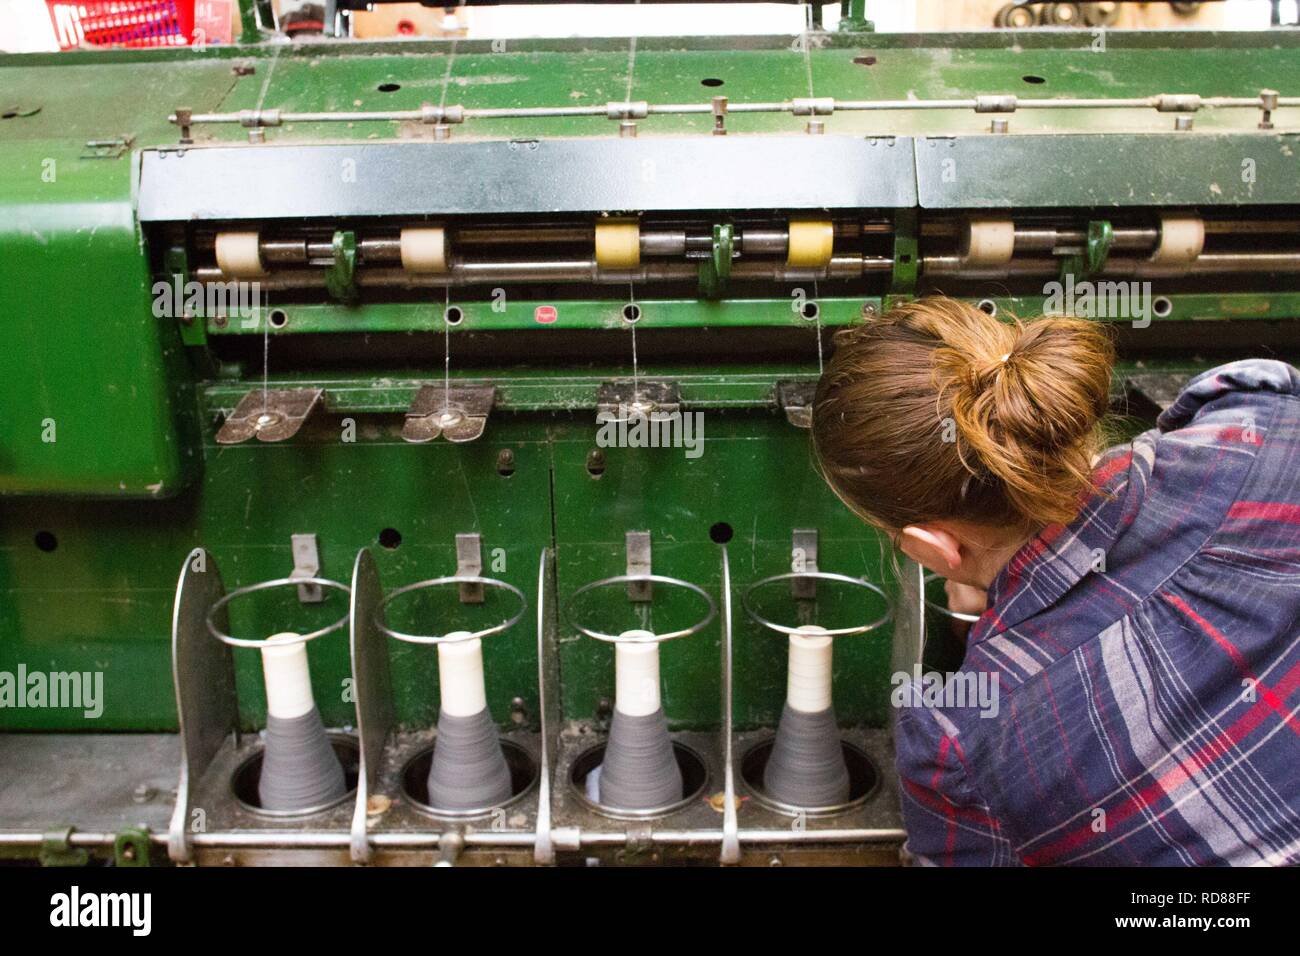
405	444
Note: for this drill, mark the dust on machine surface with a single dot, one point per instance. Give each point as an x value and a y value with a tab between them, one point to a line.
404	450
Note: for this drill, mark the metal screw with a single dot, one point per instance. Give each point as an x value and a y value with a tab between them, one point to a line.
868	310
815	127
219	321
441	132
1182	123
505	462
627	129
518	713
143	793
1000	125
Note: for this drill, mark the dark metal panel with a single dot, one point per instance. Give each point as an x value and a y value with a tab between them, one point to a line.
1108	170
527	176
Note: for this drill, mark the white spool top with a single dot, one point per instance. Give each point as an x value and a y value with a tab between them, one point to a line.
460	676
636	676
288	677
808	683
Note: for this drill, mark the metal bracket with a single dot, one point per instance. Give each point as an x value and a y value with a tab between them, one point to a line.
107	148
803	558
203	671
715	271
57	849
460	413
638	562
183	118
340	277
131	847
469	564
624	398
306	564
271	415
795	396
372	677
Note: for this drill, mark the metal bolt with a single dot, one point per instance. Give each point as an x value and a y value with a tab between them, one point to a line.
627	129
1000	125
868	310
506	464
219	321
441	132
1182	123
1268	103
257	135
518	713
815	127
143	793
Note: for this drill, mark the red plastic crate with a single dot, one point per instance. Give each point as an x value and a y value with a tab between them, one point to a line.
129	23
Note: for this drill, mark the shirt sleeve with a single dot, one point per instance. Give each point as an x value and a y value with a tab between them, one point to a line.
947	822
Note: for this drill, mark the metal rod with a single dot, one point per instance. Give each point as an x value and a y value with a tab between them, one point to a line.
988	103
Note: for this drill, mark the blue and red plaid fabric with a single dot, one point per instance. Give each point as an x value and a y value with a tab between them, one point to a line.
1147	658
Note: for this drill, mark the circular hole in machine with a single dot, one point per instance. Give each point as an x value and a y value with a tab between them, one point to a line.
415	780
631	312
1161	306
989	306
278	318
247	776
720	532
810	310
390	538
864	778
453	315
711	81
695	777
388	87
46	541
1033	79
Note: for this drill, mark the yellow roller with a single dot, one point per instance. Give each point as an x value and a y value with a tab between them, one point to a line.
810	243
424	249
618	244
239	255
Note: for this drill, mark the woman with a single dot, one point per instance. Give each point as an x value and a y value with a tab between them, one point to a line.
1143	609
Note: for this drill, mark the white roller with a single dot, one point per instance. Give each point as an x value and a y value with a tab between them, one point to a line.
1182	239
239	254
808	684
989	242
288	677
460	676
424	249
636	676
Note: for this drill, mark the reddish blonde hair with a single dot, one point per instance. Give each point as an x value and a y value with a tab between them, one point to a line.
939	411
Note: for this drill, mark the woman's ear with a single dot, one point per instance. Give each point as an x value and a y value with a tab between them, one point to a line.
932	547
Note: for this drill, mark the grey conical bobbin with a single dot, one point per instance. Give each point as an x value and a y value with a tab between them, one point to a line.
300	770
807	768
469	770
640	771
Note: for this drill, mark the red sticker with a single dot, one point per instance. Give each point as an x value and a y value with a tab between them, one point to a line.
545	314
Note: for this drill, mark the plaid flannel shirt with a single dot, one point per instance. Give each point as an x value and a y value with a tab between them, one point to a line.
1147	658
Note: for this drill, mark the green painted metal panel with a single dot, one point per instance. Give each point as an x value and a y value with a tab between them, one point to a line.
91	389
